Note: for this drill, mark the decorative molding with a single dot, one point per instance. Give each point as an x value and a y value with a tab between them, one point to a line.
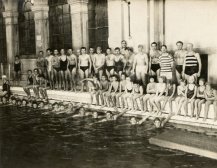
77	2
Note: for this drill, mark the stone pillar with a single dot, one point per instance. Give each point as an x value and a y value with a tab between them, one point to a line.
11	20
157	21
79	22
41	26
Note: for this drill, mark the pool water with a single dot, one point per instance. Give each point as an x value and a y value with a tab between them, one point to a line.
31	139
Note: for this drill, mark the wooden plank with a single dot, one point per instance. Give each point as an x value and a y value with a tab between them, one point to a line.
188	142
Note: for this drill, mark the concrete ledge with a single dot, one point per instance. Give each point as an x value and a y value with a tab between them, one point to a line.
187	142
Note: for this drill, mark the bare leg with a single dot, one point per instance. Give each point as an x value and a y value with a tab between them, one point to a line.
207	105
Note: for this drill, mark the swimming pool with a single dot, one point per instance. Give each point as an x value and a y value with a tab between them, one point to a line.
31	139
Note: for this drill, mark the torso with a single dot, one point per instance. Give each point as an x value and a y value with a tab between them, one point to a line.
154	55
179	57
17	66
84	60
63	62
165	61
99	60
110	60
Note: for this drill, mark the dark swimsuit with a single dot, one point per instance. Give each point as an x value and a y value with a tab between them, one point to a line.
109	68
179	68
191	66
17	67
6	88
84	68
190	93
63	65
71	67
155	67
170	91
200	93
118	66
30	80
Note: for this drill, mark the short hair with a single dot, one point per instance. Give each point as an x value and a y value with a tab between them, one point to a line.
29	70
108	112
41	51
99	47
140	46
17	56
83	48
129	49
179	42
157	119
48	49
108	48
182	80
164	46
153	43
123	73
117	48
202	79
124	41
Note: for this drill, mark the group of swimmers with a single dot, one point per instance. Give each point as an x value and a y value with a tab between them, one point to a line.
64	70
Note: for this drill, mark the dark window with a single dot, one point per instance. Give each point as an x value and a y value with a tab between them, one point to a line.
98	23
60	24
26	22
3	48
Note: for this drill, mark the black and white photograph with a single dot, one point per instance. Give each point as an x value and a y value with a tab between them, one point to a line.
108	83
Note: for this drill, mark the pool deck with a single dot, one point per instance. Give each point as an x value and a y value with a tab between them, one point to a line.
188	142
84	97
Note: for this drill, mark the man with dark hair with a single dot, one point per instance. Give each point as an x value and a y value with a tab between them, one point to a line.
99	62
72	69
179	57
42	64
154	66
49	67
120	62
123	47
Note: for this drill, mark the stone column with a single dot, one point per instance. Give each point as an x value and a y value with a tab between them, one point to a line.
41	26
157	21
11	20
79	22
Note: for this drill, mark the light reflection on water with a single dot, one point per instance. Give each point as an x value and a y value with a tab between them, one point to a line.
29	139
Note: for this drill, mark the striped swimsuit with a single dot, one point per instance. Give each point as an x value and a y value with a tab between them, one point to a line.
191	65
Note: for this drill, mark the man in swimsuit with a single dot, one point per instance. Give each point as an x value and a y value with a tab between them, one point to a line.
123	47
179	57
192	63
49	67
17	70
64	63
84	65
120	62
55	62
129	56
154	67
140	64
109	61
72	69
99	62
42	63
36	83
92	55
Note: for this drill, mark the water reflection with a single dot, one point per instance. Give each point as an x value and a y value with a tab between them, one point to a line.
28	138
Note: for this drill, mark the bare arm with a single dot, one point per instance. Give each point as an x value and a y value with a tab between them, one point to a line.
200	64
90	63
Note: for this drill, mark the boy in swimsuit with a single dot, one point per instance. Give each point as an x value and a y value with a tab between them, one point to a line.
72	69
154	66
150	92
49	67
211	98
123	47
200	97
29	84
17	70
120	62
84	65
192	63
55	62
179	57
121	91
110	63
140	64
99	62
136	95
113	90
104	88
